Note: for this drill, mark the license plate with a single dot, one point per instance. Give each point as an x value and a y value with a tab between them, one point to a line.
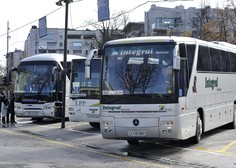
93	115
137	133
33	113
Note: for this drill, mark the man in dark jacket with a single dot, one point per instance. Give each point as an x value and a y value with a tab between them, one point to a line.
11	110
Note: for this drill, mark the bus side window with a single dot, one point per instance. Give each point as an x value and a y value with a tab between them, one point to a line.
203	62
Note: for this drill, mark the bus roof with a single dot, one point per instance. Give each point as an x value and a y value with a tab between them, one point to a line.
178	39
50	57
150	39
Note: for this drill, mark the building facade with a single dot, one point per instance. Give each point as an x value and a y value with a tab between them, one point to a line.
79	42
206	23
168	21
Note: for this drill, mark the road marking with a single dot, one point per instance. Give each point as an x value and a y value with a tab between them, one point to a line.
223	150
88	150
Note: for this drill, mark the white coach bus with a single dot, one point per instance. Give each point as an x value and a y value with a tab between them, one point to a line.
38	86
84	90
172	88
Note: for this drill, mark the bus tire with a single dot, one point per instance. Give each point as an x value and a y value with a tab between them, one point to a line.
199	128
133	142
94	124
232	124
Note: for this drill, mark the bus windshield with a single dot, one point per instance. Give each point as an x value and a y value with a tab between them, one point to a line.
35	81
133	69
82	87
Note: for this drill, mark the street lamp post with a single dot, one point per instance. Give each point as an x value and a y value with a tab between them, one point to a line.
59	3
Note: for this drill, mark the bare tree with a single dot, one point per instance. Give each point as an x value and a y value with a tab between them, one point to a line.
203	20
216	24
3	70
230	16
136	76
110	29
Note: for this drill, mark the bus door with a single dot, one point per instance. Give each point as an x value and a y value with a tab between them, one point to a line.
187	56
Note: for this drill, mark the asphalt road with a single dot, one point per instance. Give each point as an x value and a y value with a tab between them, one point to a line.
29	144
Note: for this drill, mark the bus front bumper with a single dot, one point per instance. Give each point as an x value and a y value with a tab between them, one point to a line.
140	128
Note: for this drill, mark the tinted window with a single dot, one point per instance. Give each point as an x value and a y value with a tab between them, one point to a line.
190	53
233	62
203	63
215	59
225	63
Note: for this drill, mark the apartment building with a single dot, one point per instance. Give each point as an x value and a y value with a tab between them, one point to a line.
168	21
79	42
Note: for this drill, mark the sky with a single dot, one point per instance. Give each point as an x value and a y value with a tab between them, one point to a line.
22	15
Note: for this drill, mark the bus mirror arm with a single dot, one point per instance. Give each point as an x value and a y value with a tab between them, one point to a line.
14	69
93	53
54	70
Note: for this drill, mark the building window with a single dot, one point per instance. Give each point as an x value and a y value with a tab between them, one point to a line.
74	36
61	51
60	44
51	51
165	22
77	51
61	37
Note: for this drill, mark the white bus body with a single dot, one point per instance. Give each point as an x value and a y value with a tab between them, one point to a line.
38	86
84	92
136	104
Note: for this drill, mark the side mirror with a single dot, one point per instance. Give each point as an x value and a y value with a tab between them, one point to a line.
55	73
176	59
176	63
88	69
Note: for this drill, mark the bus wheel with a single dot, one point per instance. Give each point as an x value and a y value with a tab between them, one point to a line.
133	142
231	125
95	125
199	128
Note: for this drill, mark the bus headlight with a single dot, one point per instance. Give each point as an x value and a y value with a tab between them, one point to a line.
167	123
48	107
106	124
17	108
107	127
167	127
71	109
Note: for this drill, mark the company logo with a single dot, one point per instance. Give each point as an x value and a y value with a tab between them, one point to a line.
136	122
211	83
112	108
93	110
161	107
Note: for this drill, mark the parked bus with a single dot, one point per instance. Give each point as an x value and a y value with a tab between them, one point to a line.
139	103
38	86
84	90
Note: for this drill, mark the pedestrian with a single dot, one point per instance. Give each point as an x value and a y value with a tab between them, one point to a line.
11	110
4	106
1	104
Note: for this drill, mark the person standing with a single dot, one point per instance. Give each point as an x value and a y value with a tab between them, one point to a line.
4	107
1	95
11	110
